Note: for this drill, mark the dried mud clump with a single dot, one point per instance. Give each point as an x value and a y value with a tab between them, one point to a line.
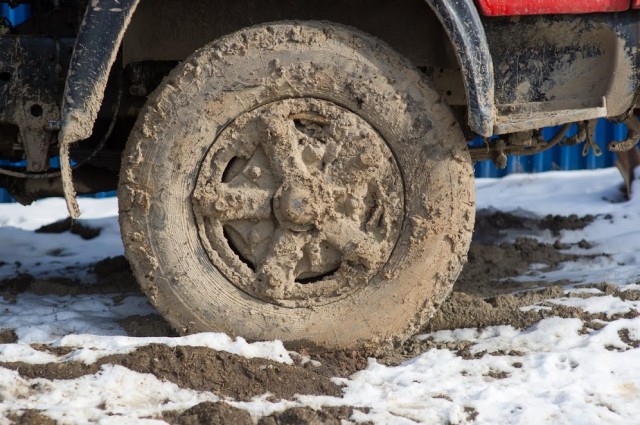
491	225
8	336
221	413
113	276
556	223
225	374
493	261
340	363
209	413
467	311
147	326
308	416
30	417
489	265
69	225
115	272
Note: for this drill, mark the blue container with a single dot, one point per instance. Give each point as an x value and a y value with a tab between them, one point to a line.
17	15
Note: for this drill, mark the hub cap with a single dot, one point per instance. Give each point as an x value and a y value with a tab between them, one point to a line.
299	202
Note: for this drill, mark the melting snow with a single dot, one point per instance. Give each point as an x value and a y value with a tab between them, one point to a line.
554	372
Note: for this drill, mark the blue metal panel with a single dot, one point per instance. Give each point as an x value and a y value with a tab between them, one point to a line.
15	15
559	157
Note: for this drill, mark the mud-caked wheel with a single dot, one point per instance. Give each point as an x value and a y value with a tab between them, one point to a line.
297	181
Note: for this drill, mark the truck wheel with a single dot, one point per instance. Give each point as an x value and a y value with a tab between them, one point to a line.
297	181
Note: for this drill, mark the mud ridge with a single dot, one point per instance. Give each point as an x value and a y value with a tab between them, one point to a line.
218	413
74	227
198	368
30	417
491	261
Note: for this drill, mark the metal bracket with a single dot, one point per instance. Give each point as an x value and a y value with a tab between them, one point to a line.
633	136
32	71
498	149
590	141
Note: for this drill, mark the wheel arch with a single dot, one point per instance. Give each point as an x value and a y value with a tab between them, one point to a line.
107	23
431	33
462	23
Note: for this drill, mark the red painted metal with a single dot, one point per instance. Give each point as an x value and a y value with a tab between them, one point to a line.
635	4
544	7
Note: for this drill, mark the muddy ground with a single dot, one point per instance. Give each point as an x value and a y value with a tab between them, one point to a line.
484	295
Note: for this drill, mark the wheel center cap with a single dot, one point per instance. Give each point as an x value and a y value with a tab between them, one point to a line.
296	208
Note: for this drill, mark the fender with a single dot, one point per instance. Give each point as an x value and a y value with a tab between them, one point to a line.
462	23
95	51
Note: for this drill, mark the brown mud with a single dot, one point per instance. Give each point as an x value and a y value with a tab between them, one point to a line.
69	225
112	276
198	368
30	417
484	296
219	413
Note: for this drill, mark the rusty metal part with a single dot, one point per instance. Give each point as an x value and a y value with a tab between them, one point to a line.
88	180
633	136
295	196
32	74
579	137
498	149
627	163
590	141
33	175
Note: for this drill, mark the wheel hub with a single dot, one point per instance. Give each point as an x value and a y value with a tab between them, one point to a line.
293	208
299	202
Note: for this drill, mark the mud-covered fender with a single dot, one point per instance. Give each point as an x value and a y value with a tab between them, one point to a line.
96	48
462	23
95	51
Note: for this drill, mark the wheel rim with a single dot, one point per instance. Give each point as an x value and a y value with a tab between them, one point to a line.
299	202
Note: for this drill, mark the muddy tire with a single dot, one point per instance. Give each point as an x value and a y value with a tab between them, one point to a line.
301	182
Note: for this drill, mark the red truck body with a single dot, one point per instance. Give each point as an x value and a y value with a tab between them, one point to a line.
544	7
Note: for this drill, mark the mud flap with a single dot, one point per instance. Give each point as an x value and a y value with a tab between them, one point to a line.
95	51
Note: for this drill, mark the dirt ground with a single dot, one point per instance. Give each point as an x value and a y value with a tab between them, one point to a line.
484	295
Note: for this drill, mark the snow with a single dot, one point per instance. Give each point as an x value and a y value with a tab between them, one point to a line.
38	319
615	231
41	255
553	372
91	347
129	395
